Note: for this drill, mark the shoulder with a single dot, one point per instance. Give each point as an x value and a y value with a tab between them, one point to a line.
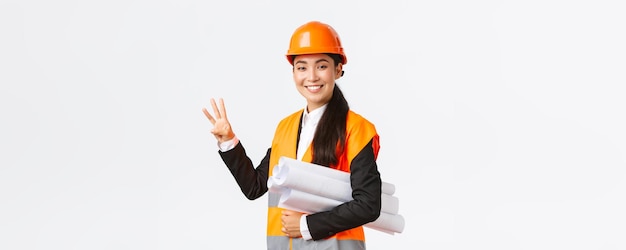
292	116
290	119
354	117
359	133
357	121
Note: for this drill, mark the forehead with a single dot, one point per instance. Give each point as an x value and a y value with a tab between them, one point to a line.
311	58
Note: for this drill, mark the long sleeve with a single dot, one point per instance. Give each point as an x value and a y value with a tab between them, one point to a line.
252	181
366	193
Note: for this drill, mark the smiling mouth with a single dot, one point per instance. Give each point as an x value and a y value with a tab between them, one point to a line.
314	87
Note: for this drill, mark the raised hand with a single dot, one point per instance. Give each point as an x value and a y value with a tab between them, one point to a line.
221	127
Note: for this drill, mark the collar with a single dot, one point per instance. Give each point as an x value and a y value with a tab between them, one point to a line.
313	117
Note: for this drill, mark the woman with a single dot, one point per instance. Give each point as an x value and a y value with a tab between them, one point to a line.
325	132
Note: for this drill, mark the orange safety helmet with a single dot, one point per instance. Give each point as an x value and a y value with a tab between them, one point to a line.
313	38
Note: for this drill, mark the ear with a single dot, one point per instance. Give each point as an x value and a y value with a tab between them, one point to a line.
338	71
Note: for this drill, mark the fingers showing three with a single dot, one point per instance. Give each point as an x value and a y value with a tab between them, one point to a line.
218	114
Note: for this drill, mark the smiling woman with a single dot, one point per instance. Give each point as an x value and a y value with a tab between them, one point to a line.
315	76
324	132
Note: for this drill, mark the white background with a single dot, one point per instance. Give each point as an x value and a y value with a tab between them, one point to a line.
501	122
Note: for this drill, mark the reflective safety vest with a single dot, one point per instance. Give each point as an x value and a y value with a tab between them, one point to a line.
359	132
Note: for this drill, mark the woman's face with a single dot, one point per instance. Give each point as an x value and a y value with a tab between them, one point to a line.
315	76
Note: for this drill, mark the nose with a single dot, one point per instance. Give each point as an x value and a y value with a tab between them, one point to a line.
312	75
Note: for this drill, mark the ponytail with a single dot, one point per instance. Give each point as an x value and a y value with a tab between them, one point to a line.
330	135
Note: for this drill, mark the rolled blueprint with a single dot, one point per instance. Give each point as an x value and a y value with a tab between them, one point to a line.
273	187
296	200
388	188
308	176
313	168
389	204
298	178
311	188
389	223
314	202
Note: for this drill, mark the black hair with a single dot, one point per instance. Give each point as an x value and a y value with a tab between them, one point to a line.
330	136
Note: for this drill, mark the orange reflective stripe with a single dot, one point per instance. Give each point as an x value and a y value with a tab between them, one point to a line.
274	229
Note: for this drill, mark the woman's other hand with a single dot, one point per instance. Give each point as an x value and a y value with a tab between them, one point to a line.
291	223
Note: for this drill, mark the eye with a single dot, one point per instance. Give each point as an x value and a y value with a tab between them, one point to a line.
323	66
300	68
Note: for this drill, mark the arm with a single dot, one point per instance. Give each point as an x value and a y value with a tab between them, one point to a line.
252	181
365	206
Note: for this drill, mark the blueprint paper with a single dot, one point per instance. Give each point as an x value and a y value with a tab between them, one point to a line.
311	188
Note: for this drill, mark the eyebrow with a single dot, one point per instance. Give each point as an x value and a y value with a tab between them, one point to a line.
316	62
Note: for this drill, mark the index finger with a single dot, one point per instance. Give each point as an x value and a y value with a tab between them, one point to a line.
206	113
215	110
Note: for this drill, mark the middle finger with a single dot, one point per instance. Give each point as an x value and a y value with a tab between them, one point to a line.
215	110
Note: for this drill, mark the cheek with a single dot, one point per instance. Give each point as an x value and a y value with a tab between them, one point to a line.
296	77
301	75
329	75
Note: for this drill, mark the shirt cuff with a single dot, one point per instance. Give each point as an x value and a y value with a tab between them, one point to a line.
228	145
304	228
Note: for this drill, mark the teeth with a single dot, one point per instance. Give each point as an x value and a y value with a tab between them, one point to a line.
313	87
